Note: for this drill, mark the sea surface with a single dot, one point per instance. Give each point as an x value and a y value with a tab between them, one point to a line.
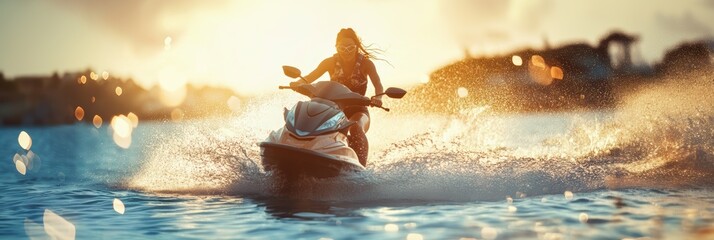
626	173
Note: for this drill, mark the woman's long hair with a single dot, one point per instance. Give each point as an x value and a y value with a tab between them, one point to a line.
368	51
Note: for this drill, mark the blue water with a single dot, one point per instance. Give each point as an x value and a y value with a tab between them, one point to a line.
531	176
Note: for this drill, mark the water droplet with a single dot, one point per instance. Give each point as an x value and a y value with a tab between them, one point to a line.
24	140
462	92
568	195
415	236
118	91
118	206
57	227
79	113
97	121
391	228
583	217
517	60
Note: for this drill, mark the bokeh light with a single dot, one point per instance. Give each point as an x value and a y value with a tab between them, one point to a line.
177	115
234	104
167	43
134	119
462	92
83	79
97	121
93	76
118	91
25	140
105	75
415	236
568	195
538	61
121	125
94	99
390	227
122	128
20	166
79	113
512	209
517	60
57	227
583	217
489	233
556	73
118	206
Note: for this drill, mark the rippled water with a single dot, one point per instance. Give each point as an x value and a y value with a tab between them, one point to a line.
585	175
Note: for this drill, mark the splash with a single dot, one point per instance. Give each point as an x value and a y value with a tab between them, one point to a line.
658	136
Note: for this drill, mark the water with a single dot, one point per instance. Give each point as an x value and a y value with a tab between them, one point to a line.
626	173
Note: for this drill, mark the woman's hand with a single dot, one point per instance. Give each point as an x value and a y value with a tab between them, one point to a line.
377	101
297	83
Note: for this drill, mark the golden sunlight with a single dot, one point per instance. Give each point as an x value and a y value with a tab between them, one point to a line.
57	227
97	121
25	140
517	60
79	113
118	206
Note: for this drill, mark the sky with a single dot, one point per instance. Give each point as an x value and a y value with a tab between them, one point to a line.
243	44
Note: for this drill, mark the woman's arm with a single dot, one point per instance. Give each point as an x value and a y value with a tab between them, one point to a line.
374	77
321	69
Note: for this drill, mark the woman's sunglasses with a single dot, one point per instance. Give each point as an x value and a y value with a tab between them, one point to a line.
348	49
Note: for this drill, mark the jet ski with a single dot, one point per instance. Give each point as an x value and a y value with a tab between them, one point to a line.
313	141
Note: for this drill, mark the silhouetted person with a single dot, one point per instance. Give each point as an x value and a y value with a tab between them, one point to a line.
351	66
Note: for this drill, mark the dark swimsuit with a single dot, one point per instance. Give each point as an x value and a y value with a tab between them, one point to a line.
357	82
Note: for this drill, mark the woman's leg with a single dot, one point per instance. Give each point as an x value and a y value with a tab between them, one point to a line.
357	138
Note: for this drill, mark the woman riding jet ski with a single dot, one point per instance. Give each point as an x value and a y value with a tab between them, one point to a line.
314	140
